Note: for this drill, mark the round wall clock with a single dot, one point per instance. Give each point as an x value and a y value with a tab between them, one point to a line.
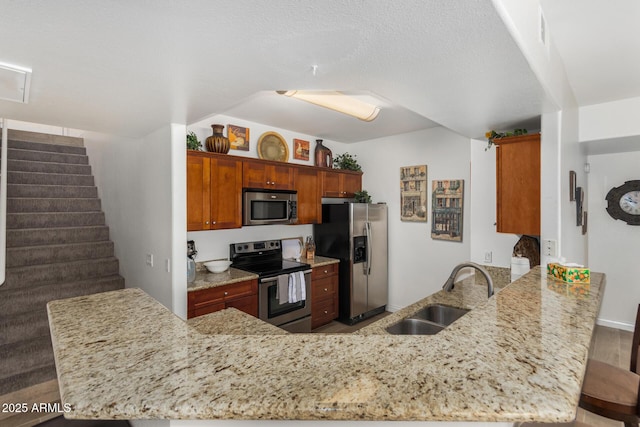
623	202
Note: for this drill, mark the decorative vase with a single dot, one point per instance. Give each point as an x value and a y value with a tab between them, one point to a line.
218	143
324	158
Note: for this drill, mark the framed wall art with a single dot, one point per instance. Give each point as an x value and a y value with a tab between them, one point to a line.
300	149
579	205
572	186
238	137
413	193
447	214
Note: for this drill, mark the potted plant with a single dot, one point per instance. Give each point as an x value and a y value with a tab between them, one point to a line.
493	135
347	162
192	141
362	196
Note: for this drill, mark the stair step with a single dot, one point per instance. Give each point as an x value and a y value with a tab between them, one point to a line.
20	177
29	204
26	379
49	254
24	326
51	191
47	167
24	356
35	298
54	219
46	156
45	274
49	236
39	146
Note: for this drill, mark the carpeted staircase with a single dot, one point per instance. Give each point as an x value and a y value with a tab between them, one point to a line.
57	247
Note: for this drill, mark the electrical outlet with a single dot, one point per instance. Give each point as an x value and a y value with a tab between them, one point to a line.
150	260
549	247
487	257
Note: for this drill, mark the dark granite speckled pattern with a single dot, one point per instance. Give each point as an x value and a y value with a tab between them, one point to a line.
519	356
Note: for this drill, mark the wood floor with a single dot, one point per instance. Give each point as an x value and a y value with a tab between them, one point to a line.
609	345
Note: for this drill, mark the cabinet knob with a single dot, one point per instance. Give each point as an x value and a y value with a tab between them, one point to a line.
206	222
213	222
326	271
326	312
268	182
226	293
326	290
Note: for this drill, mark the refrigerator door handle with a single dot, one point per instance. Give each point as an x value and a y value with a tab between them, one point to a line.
369	247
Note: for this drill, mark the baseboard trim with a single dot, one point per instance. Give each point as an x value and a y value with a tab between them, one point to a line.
616	325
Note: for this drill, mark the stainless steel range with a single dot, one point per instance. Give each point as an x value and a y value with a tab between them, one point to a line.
284	286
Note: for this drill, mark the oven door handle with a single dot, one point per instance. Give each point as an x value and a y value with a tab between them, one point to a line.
273	279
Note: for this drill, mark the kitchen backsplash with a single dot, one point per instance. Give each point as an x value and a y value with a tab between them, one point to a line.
214	244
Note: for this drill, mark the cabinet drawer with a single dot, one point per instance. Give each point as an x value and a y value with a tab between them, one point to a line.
203	309
324	271
222	293
323	287
324	311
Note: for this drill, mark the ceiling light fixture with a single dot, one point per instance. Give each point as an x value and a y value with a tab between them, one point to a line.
14	83
336	101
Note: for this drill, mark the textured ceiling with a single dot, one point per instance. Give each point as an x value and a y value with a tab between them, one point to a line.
131	67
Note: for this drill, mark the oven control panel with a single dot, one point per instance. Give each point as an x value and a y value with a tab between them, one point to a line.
252	247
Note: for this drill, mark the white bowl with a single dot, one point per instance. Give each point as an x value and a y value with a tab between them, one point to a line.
217	266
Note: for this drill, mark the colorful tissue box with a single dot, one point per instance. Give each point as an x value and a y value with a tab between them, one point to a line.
569	274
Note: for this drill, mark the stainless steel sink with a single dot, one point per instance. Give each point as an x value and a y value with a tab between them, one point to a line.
428	320
440	314
414	327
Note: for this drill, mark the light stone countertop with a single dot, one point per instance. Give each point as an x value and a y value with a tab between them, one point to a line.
205	279
520	356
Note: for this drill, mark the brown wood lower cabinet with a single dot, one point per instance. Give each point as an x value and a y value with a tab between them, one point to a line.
241	295
324	295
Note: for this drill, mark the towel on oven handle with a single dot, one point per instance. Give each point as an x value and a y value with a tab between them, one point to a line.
297	287
282	291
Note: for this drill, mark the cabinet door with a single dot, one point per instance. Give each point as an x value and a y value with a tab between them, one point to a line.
331	184
350	184
198	194
281	177
254	174
518	185
308	187
247	304
226	193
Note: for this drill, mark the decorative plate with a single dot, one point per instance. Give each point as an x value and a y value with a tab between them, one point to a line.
272	146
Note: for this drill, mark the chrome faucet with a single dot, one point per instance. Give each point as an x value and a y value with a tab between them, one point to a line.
448	285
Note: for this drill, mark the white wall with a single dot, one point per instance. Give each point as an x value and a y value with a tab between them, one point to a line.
214	244
418	265
610	120
613	245
134	179
484	237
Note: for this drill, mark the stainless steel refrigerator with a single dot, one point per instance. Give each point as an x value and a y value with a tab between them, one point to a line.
356	234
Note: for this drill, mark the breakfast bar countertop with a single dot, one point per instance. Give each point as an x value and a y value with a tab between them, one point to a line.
519	356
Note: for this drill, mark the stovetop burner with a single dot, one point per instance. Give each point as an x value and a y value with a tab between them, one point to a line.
263	258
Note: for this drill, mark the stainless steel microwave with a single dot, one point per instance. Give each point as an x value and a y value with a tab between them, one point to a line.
264	207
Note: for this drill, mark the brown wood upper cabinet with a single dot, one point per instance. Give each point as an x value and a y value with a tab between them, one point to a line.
214	191
339	183
268	175
518	184
308	186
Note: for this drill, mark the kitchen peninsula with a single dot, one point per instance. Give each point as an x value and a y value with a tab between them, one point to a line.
519	356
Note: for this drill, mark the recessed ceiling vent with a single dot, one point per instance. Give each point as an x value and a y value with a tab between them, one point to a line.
14	83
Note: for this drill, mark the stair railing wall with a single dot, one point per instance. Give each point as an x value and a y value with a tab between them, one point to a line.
3	200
